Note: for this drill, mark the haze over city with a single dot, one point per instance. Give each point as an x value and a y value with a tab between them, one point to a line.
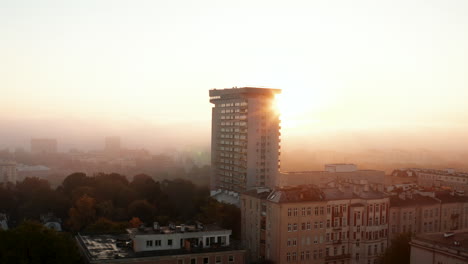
359	75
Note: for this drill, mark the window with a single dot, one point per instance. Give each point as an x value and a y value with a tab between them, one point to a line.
316	210
180	261
309	211
169	242
289	227
149	243
315	254
375	249
288	257
320	253
289	210
193	261
231	258
303	226
321	224
206	260
302	255
157	243
295	227
369	250
295	211
307	255
308	225
328	209
321	210
303	211
315	225
294	256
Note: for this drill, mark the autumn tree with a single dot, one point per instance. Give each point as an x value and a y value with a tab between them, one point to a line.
83	213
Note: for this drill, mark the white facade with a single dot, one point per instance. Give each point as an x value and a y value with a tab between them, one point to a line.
245	138
151	241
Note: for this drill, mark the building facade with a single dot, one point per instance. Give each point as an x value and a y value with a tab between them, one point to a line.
343	224
245	138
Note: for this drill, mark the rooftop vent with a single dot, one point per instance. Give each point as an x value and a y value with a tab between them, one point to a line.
448	234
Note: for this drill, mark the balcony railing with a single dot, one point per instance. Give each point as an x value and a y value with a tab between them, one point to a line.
338	257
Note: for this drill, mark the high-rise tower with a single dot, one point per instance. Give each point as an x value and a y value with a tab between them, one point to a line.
245	138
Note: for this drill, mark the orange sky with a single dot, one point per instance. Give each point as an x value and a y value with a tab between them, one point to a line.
344	66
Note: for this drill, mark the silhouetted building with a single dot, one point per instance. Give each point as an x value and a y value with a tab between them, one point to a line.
245	138
44	145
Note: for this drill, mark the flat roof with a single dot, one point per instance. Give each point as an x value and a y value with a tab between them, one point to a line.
104	248
244	90
448	242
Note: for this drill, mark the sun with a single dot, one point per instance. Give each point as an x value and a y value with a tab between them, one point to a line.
297	111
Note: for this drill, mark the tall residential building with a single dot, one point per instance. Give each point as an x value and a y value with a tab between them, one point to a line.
245	139
44	145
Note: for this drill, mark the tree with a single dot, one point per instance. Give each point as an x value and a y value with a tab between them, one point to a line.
104	225
399	250
33	243
135	222
83	214
143	210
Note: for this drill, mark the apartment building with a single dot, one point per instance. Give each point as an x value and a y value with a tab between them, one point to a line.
427	212
448	178
183	244
245	139
303	224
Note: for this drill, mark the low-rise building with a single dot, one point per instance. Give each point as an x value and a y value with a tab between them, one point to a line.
440	248
184	244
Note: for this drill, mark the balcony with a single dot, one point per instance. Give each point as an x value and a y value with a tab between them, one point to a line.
338	257
336	242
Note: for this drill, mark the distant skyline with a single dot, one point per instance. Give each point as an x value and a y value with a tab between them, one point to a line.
364	73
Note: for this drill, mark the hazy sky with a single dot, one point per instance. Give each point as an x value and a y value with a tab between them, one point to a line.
344	66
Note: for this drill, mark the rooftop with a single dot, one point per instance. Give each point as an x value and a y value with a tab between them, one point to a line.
414	200
172	229
458	241
307	193
244	91
99	248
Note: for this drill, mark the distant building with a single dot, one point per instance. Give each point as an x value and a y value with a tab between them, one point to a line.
8	172
39	171
306	224
448	178
245	139
112	146
440	248
333	172
184	244
43	145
